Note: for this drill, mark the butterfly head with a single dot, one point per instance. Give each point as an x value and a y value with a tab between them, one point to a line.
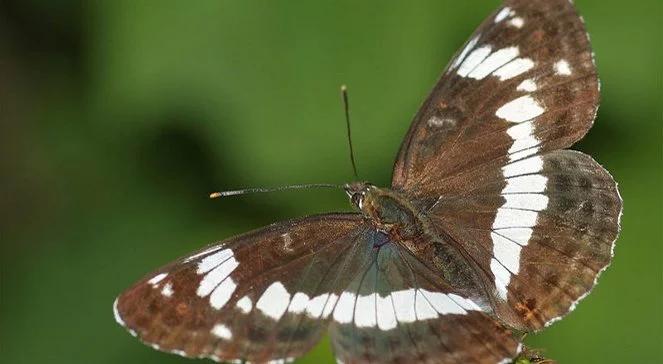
357	192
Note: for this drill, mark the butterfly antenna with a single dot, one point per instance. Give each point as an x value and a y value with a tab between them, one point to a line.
346	105
271	189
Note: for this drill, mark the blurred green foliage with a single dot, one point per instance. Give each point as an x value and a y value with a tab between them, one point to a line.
118	117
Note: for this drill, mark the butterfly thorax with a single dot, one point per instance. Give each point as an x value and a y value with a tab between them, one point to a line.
387	210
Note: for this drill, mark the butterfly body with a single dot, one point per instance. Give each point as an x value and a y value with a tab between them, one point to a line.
489	225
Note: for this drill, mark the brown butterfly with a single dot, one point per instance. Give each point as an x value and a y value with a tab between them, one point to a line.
489	226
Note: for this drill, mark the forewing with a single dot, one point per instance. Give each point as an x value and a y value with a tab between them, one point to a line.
265	295
523	84
541	229
397	311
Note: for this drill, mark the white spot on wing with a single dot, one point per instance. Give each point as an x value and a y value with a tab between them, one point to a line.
154	281
204	252
502	278
525	184
443	304
437	122
465	303
562	68
526	166
494	61
514	68
287	242
343	313
365	311
523	140
274	301
506	218
422	308
222	331
527	85
216	276
521	109
473	60
222	293
329	306
298	303
316	305
167	290
529	201
503	14
385	313
506	252
244	304
211	261
520	235
464	52
517	22
404	305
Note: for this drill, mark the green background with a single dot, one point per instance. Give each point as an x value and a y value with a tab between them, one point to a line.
119	117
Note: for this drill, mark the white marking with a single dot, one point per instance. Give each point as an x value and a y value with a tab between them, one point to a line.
521	109
404	305
525	184
385	313
244	304
167	290
526	166
473	59
514	68
222	293
523	154
503	14
222	331
210	262
204	252
519	235
329	306
343	313
216	276
155	346
527	85
517	22
437	122
274	301
463	53
494	61
365	311
443	304
316	305
422	308
562	68
465	303
287	242
116	313
298	303
154	281
178	352
528	201
506	252
523	141
502	278
507	218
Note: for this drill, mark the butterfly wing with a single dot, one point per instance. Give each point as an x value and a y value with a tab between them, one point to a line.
543	233
482	159
265	295
524	83
397	311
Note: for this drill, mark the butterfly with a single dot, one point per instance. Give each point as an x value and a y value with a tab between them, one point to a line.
490	226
